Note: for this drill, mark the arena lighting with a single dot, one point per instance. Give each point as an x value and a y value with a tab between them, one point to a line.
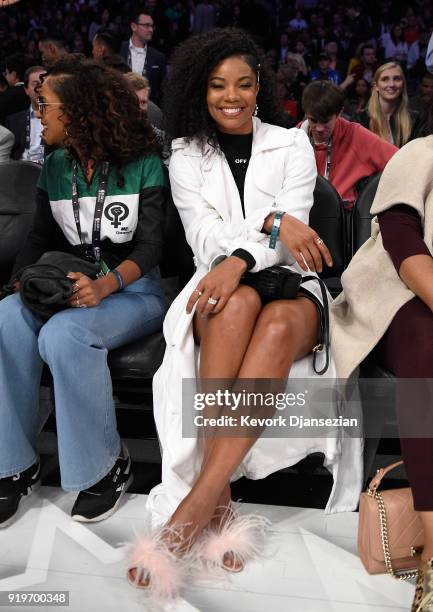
7	2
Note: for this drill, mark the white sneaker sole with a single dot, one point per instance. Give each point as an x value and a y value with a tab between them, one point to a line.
110	512
21	505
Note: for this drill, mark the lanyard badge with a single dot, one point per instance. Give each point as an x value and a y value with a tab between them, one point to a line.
91	252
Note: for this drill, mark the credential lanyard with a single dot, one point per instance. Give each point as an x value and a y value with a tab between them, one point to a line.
100	199
28	124
328	157
129	62
328	160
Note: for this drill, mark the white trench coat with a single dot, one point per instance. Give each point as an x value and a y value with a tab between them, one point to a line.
281	175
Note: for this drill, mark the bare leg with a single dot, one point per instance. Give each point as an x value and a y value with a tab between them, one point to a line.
223	340
285	331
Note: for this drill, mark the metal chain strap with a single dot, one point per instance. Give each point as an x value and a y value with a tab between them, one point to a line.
385	541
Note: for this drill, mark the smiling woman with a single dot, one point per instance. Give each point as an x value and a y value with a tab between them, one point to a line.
244	188
388	106
231	96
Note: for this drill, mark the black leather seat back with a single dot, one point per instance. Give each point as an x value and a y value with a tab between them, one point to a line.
327	218
361	217
177	258
18	181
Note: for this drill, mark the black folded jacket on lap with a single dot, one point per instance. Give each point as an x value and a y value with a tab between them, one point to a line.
45	287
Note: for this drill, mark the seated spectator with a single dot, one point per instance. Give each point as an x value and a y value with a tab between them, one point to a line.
345	152
7	140
416	55
363	67
302	50
296	60
335	61
105	42
395	47
387	305
324	72
412	30
425	123
298	22
141	87
218	327
355	108
51	49
107	155
359	23
284	47
102	23
388	108
14	98
204	17
423	100
140	56
429	55
289	87
26	125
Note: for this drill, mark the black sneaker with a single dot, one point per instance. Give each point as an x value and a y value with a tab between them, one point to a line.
15	488
102	500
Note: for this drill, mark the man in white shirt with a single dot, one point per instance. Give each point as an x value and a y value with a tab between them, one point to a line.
141	57
25	125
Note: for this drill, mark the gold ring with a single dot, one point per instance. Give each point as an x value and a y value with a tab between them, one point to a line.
199	292
75	287
319	241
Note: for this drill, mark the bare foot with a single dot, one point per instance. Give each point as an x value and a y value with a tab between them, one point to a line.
219	519
191	516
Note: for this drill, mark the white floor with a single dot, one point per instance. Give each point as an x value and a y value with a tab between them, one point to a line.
311	563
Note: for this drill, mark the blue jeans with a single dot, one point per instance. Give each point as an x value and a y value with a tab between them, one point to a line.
74	343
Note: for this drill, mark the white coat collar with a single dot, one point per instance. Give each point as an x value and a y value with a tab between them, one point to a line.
265	137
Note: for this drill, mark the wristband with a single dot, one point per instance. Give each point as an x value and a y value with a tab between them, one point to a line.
275	231
118	278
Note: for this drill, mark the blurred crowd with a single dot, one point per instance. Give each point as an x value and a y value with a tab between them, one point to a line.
303	40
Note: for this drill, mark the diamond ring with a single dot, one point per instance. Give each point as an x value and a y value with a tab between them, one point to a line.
319	241
212	301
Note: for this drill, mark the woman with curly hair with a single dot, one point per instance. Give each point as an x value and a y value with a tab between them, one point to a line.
235	178
100	197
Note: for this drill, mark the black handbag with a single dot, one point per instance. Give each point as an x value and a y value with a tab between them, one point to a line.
279	283
45	287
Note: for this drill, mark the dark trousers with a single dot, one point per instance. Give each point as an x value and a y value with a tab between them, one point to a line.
407	351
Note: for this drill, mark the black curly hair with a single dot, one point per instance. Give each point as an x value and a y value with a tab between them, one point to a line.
103	115
184	98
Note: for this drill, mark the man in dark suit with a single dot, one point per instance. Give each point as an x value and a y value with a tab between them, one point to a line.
14	99
25	125
141	57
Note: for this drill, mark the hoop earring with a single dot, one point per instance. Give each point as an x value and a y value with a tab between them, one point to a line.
256	110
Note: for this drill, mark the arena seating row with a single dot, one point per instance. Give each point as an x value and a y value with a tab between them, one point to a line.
133	366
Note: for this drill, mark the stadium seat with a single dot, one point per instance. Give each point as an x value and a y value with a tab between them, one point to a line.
18	181
361	217
327	218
